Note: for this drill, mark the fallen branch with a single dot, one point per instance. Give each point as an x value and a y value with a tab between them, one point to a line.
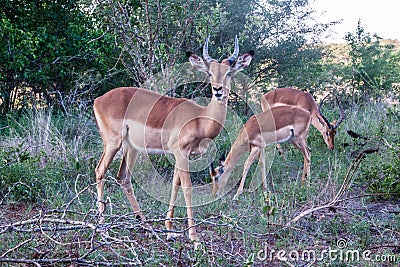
345	185
16	247
78	225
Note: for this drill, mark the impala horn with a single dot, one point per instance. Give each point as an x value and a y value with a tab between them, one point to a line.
206	56
320	112
235	54
342	114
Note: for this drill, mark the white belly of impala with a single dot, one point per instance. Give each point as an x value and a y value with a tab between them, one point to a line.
154	151
146	139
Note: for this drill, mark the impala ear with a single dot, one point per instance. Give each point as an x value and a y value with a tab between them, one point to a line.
197	62
243	61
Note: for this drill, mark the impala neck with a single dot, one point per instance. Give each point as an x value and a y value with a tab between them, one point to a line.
216	110
318	122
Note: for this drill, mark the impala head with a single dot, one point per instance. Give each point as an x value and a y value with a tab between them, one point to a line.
216	174
330	127
220	73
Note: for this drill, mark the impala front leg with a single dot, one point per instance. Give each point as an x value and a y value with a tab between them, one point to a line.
261	160
307	163
187	193
307	158
255	151
182	167
176	182
302	146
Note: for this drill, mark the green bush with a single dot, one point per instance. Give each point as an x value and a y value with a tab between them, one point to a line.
20	175
378	126
383	173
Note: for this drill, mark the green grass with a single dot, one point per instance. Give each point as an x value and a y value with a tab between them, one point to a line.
47	176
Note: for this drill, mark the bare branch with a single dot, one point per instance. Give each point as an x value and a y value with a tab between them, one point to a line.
345	185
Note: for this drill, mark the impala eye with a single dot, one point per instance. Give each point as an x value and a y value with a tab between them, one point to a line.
229	74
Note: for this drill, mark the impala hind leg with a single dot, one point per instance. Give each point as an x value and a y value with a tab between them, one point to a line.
124	178
254	153
106	158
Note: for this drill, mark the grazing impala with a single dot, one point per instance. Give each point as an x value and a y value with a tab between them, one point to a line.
277	125
144	121
289	96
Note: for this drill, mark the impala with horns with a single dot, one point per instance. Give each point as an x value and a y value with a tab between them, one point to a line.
289	96
276	125
141	120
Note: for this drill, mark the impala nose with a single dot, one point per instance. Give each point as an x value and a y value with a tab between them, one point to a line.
331	146
218	92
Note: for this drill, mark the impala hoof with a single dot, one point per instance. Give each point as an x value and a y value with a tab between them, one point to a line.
171	237
101	219
196	245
